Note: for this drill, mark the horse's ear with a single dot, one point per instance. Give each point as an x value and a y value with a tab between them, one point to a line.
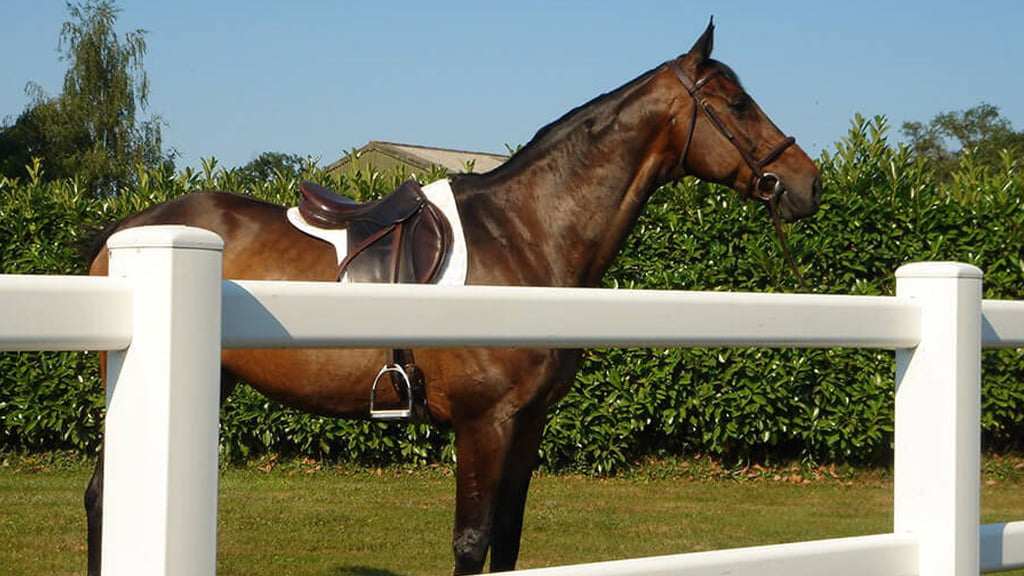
701	50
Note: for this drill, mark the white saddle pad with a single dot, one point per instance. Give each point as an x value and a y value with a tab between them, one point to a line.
453	269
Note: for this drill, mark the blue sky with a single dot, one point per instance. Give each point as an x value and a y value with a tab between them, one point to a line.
232	79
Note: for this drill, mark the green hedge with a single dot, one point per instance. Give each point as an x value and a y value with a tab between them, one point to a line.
882	208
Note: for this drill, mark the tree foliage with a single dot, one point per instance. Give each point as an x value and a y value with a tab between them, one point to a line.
269	166
92	131
981	132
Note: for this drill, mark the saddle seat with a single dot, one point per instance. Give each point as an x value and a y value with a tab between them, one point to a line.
400	238
326	208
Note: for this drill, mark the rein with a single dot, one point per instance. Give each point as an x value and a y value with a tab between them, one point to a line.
765	186
777	223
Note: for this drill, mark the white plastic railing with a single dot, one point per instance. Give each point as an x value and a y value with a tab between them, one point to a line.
165	313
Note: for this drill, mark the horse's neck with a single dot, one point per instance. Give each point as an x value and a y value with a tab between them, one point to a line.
559	219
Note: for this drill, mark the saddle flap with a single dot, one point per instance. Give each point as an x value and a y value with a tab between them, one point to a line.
412	251
431	239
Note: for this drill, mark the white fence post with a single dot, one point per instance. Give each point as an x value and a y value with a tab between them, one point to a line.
938	413
160	477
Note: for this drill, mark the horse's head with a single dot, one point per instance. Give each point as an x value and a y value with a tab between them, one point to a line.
723	136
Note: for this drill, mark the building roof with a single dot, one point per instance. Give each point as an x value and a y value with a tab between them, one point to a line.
424	157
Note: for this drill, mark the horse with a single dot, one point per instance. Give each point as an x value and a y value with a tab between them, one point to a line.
555	214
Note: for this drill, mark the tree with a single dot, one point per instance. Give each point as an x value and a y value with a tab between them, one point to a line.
981	129
22	141
268	166
92	130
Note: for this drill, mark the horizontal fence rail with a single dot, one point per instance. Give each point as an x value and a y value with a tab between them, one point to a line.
1002	547
1002	324
259	314
44	313
882	554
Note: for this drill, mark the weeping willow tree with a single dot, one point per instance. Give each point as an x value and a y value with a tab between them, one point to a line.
92	131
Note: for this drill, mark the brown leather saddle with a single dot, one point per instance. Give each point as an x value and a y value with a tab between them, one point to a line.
400	238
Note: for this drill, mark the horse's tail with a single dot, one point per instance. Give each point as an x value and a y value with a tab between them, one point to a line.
95	241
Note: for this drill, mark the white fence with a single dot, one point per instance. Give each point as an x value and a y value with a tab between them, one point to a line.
164	313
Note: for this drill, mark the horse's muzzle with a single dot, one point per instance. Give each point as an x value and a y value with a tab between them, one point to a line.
795	202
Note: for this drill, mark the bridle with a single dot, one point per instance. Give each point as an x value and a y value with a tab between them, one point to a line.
763	185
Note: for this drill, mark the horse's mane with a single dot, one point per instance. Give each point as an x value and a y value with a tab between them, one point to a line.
588	117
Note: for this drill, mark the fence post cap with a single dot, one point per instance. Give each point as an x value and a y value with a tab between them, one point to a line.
166	236
939	270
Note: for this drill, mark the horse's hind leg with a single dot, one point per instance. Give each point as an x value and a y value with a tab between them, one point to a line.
94	491
94	498
94	516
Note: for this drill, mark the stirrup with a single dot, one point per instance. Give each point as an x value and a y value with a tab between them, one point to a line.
397	413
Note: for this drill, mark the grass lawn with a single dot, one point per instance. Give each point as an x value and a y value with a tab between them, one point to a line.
301	520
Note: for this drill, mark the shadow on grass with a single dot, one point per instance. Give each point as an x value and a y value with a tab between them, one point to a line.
364	571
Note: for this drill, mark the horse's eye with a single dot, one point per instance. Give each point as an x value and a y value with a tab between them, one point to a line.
740	104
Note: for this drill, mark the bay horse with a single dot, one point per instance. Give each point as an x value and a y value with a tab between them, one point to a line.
555	214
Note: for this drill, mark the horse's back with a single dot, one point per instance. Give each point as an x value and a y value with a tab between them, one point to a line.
259	242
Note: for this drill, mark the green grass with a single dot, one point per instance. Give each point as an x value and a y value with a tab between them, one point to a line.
301	520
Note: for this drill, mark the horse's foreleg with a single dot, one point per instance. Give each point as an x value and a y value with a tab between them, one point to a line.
480	447
515	482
